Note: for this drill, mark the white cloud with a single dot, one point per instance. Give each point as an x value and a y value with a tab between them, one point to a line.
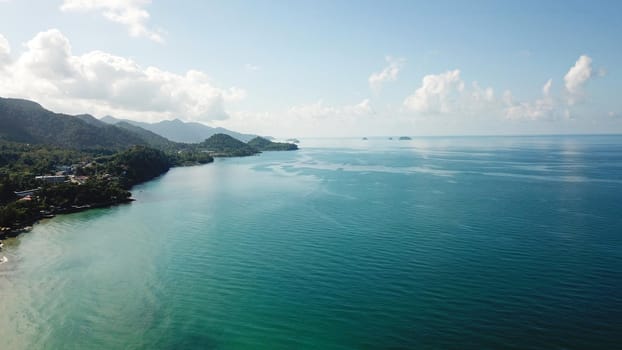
446	94
542	108
389	73
437	93
482	95
546	89
319	110
5	51
314	119
130	13
102	83
576	78
548	107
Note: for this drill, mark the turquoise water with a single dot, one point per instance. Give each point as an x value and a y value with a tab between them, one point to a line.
434	243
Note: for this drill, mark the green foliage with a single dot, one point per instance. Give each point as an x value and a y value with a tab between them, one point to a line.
138	164
263	144
110	177
17	212
27	122
222	145
34	141
152	139
190	156
95	190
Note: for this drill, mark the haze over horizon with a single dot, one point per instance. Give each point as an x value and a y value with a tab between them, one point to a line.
322	68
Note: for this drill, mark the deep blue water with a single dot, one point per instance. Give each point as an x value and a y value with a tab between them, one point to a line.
434	243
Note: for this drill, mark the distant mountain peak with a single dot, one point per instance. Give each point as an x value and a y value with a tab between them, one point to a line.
22	103
178	130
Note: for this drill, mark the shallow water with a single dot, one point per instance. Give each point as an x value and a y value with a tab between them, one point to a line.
434	243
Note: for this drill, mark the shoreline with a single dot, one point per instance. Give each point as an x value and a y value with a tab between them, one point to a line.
16	230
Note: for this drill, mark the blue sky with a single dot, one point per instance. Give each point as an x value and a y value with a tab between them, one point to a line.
323	68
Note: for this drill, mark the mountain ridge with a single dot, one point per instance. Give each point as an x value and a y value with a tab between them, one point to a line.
179	131
26	121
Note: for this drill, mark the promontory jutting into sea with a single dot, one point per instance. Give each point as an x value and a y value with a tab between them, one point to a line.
310	175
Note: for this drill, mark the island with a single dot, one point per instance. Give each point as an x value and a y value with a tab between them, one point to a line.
403	138
223	145
263	144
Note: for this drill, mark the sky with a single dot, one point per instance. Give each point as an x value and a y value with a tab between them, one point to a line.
323	68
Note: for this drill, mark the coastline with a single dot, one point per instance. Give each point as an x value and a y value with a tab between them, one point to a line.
17	229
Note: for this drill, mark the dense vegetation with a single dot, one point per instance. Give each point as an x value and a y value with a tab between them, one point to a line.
28	122
102	178
150	138
95	163
138	164
221	145
263	144
20	163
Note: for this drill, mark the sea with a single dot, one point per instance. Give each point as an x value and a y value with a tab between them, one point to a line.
431	243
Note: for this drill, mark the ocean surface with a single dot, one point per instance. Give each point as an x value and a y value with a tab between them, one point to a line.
433	243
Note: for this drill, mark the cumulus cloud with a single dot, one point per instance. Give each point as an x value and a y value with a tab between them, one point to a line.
547	107
576	78
437	93
130	13
103	83
446	93
479	94
389	73
542	108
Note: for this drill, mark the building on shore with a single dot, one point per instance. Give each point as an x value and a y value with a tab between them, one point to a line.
26	193
52	179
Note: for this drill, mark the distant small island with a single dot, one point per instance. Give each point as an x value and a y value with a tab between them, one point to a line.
403	138
293	140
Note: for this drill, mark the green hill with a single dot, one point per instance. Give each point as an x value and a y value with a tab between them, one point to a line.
222	145
27	122
263	144
151	138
